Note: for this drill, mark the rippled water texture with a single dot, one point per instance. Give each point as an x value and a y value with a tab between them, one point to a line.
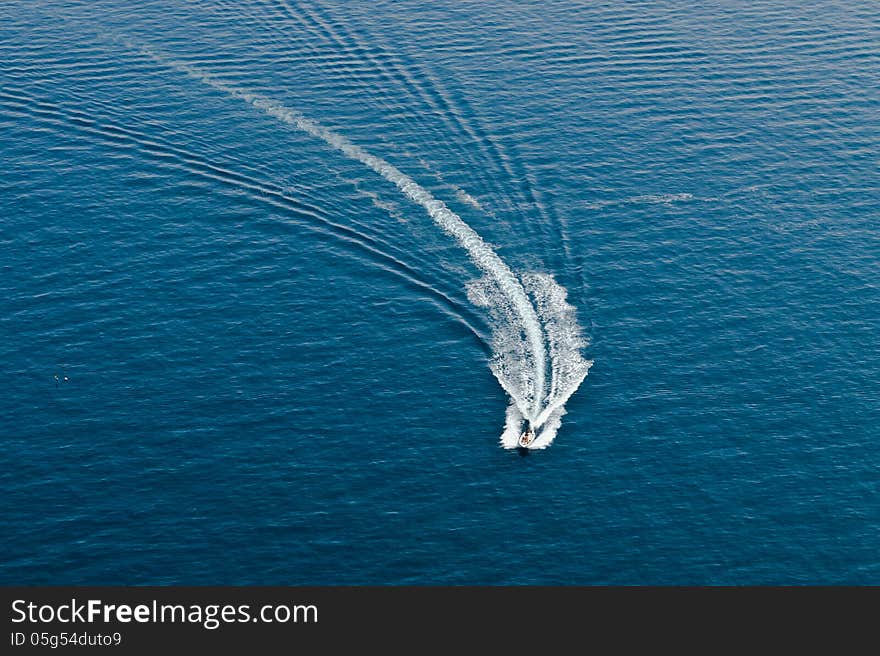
235	352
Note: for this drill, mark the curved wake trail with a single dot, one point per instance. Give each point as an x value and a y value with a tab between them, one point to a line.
519	342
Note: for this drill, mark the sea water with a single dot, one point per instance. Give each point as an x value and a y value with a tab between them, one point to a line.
282	280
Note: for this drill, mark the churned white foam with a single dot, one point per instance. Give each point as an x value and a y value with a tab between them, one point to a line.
513	422
548	431
530	314
510	358
465	197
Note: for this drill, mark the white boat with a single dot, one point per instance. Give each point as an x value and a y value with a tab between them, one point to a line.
527	437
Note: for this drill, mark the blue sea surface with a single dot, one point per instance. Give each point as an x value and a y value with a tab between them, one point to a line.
233	355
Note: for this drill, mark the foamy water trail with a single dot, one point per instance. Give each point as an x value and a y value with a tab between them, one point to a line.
523	309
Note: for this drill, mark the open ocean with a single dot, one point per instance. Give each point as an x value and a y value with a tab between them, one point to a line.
239	347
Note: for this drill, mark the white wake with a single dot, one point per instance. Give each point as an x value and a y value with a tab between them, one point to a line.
533	326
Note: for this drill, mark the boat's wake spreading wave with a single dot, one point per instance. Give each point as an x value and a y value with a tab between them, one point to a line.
534	329
513	362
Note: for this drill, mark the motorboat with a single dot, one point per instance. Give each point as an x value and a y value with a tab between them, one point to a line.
527	438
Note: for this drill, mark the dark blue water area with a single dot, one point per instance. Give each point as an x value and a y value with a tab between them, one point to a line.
232	355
